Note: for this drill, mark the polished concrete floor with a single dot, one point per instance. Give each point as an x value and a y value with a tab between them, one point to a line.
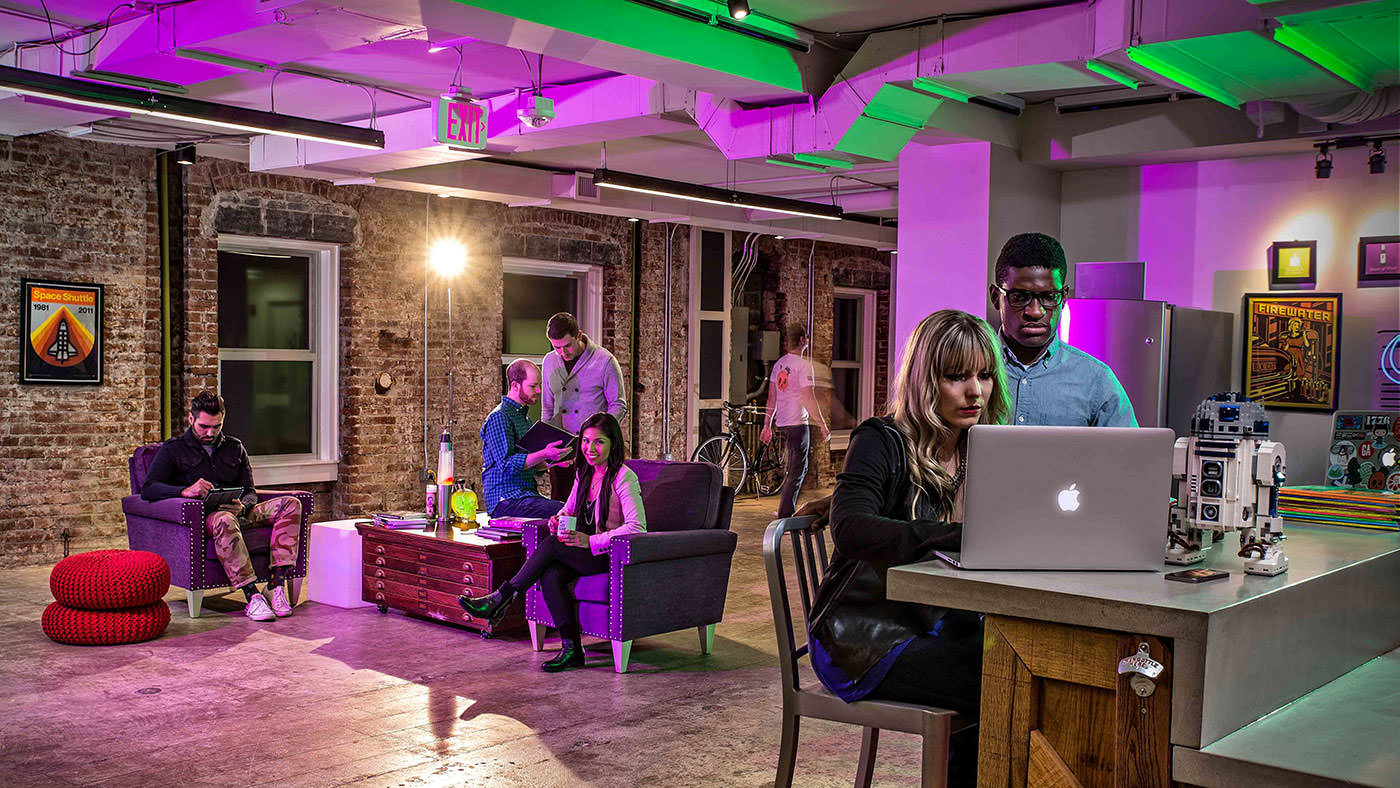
333	697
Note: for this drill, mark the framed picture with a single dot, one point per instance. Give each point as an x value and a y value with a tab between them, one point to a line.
1378	261
1292	349
1292	265
61	332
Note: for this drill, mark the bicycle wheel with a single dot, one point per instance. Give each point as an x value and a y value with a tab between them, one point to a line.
769	469
726	453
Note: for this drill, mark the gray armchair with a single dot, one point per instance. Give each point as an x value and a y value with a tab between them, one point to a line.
672	577
174	530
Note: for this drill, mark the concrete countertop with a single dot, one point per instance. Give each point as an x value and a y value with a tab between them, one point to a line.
1242	647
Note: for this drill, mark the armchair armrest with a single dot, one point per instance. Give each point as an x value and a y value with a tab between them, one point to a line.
629	549
177	511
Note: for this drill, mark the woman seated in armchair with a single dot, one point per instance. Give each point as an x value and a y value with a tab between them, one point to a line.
606	501
899	498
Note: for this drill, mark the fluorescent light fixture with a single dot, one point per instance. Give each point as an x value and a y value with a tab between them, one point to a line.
1181	76
799	165
941	89
187	110
354	181
754	25
824	161
221	60
660	187
1105	70
128	79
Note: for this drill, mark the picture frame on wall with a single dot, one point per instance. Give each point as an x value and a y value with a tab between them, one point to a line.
1292	265
1292	350
1378	261
60	332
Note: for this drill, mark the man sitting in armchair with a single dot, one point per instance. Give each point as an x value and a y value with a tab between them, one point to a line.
202	459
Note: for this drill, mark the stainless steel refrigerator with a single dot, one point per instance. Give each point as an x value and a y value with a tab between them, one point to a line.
1168	358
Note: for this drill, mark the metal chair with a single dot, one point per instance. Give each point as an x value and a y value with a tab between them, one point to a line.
809	557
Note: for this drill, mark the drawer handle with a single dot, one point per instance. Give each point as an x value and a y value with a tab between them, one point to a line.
379	562
467	617
467	579
422	593
422	557
379	549
380	597
379	585
379	573
422	570
467	565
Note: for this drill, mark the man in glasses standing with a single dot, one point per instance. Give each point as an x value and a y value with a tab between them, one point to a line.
1051	382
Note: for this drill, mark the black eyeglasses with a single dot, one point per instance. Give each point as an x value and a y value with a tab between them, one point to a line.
1020	299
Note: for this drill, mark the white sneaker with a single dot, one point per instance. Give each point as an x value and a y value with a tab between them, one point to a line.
258	609
280	605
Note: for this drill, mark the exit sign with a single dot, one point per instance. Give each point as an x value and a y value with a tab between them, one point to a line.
461	123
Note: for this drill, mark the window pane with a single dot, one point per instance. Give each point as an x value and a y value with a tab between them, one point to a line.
845	333
269	405
845	398
711	359
264	301
529	302
712	265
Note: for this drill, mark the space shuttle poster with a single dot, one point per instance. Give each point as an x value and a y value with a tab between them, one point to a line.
62	332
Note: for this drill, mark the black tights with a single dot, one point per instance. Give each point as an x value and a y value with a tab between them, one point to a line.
554	565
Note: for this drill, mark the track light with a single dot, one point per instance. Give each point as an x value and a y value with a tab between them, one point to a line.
184	154
1377	159
1324	163
738	9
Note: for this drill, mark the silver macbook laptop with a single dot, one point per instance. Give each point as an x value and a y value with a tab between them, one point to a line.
1065	498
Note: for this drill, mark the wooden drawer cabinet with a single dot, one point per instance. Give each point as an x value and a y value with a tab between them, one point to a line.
422	574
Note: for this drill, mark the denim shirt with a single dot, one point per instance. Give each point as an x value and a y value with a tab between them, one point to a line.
1066	387
503	471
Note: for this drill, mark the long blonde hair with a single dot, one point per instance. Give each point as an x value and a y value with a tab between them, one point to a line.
946	342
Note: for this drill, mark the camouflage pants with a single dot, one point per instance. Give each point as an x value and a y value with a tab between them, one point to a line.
226	530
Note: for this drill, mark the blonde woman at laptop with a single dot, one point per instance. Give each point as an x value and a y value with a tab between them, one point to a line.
899	498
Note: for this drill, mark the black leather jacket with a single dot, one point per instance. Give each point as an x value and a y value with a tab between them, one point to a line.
182	461
871	531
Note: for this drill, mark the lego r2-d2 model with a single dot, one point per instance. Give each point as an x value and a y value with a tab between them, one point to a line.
1228	475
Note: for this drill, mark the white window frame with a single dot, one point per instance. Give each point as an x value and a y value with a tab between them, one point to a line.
865	315
695	404
322	464
590	279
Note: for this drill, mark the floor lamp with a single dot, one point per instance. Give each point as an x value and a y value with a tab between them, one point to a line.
446	259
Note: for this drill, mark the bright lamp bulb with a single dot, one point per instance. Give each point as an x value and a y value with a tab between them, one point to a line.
738	9
447	258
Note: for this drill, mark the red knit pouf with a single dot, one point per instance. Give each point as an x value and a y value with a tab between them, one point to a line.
110	579
105	627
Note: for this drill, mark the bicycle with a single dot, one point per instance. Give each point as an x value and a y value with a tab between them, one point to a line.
729	452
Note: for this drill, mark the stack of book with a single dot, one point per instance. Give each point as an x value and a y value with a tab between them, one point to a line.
404	519
1374	509
503	529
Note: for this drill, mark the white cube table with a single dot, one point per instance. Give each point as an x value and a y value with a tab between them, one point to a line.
334	575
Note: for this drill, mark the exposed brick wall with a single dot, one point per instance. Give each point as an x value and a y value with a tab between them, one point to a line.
62	195
81	212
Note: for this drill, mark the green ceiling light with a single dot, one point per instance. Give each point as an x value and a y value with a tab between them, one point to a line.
1181	76
941	89
799	165
823	161
662	187
1296	39
220	60
1105	70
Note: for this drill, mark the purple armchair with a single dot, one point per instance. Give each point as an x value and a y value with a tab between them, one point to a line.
173	529
672	577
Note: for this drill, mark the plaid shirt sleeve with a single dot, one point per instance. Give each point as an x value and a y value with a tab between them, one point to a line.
499	464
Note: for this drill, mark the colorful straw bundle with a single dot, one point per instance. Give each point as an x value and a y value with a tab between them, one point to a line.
1377	510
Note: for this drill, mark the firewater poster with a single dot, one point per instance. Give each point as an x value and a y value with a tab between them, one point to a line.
1292	350
61	325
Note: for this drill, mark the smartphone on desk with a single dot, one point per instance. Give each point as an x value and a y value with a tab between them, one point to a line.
1197	575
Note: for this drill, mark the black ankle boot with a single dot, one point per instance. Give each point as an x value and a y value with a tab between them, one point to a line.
570	656
491	607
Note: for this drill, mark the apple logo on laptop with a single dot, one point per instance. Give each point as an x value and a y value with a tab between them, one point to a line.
1068	499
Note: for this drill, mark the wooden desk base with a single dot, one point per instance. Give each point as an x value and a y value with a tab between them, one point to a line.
1056	713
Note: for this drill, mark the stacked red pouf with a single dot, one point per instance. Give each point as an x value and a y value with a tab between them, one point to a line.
107	598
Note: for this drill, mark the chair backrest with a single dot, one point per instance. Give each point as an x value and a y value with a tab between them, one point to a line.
679	496
809	558
140	464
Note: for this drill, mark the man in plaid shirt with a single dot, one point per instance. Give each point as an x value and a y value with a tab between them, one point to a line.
508	476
